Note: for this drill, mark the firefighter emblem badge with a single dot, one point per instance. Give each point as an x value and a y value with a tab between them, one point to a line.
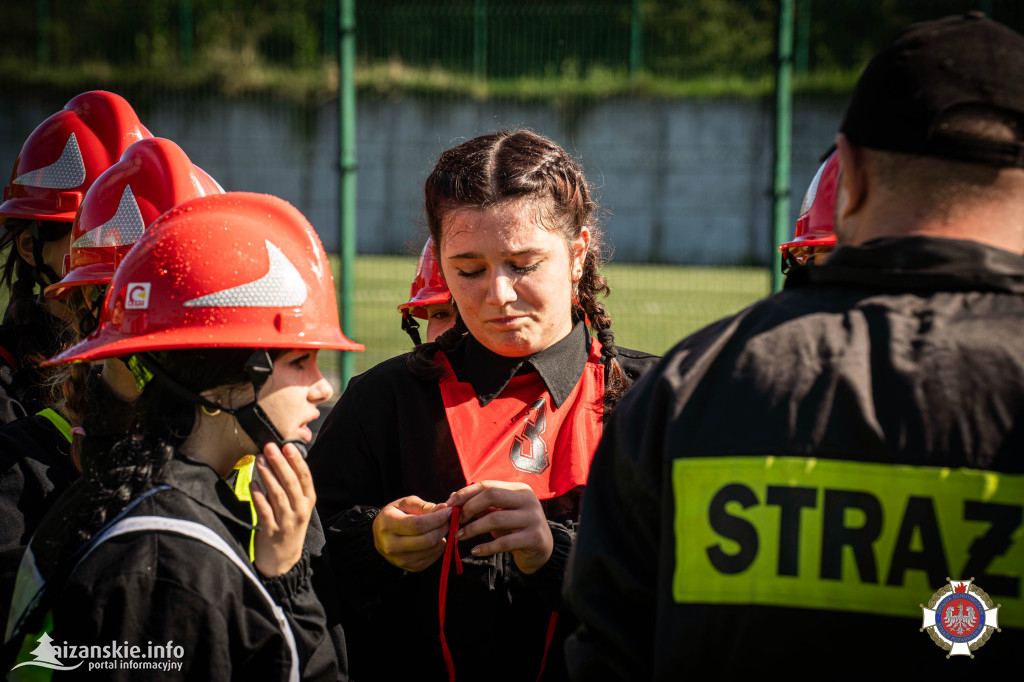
960	618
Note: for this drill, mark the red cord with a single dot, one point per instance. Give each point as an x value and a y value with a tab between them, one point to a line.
451	548
547	643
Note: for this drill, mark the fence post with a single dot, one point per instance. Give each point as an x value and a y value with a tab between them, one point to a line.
783	132
480	39
186	30
347	179
43	32
636	36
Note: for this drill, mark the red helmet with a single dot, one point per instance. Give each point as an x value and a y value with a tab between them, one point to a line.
815	226
152	177
66	153
428	288
235	270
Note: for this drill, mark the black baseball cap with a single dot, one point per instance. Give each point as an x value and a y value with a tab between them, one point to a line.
929	70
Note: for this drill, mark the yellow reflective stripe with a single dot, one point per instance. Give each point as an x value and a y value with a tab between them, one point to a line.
244	468
853	536
58	421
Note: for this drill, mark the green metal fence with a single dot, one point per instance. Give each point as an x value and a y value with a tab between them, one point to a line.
669	104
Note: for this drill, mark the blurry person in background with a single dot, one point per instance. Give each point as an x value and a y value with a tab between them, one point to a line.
815	235
58	163
429	299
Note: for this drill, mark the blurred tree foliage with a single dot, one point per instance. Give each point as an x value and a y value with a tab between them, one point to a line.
679	39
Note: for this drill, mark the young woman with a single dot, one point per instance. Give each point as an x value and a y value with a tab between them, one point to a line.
498	419
224	303
429	299
58	163
40	455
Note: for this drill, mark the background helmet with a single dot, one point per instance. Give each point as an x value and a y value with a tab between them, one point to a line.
428	288
153	176
815	226
235	270
66	153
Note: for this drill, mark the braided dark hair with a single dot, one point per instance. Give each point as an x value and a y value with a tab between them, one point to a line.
520	164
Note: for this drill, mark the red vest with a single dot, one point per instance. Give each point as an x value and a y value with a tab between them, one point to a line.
521	436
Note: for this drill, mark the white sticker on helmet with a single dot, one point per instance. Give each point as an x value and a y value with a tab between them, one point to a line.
137	297
67	172
282	286
124	228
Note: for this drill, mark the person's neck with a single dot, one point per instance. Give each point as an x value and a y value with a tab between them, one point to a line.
217	441
994	225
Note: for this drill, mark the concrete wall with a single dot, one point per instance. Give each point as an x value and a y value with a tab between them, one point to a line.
682	181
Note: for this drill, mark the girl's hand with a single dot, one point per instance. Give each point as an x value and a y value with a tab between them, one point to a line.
283	508
410	532
512	514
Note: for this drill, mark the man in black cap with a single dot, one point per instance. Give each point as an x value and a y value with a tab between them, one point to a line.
832	480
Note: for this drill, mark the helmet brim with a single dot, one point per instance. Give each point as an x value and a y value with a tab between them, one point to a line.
830	240
97	273
435	299
112	344
34	209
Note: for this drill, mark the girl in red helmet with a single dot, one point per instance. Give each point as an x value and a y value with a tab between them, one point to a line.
484	436
58	163
429	299
224	303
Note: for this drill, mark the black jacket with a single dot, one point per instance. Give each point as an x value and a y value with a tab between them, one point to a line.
789	484
34	470
159	587
388	437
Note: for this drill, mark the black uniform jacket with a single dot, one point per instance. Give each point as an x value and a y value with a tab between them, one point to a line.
160	587
35	468
388	437
788	486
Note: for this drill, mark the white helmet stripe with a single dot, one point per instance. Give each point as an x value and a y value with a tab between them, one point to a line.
67	172
282	286
124	228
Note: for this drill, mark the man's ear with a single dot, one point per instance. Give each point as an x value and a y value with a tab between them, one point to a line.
853	180
24	243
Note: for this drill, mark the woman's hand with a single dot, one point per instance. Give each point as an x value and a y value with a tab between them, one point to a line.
283	508
512	514
410	532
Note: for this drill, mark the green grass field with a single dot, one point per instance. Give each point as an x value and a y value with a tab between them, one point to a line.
652	306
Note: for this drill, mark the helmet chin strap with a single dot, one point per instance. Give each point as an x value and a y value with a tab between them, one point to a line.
252	418
411	327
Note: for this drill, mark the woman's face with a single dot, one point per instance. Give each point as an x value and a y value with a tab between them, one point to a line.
511	278
292	393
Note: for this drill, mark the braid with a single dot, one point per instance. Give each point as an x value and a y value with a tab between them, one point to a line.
420	362
592	284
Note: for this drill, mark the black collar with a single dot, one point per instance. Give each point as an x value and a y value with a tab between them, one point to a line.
560	365
204	485
922	263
